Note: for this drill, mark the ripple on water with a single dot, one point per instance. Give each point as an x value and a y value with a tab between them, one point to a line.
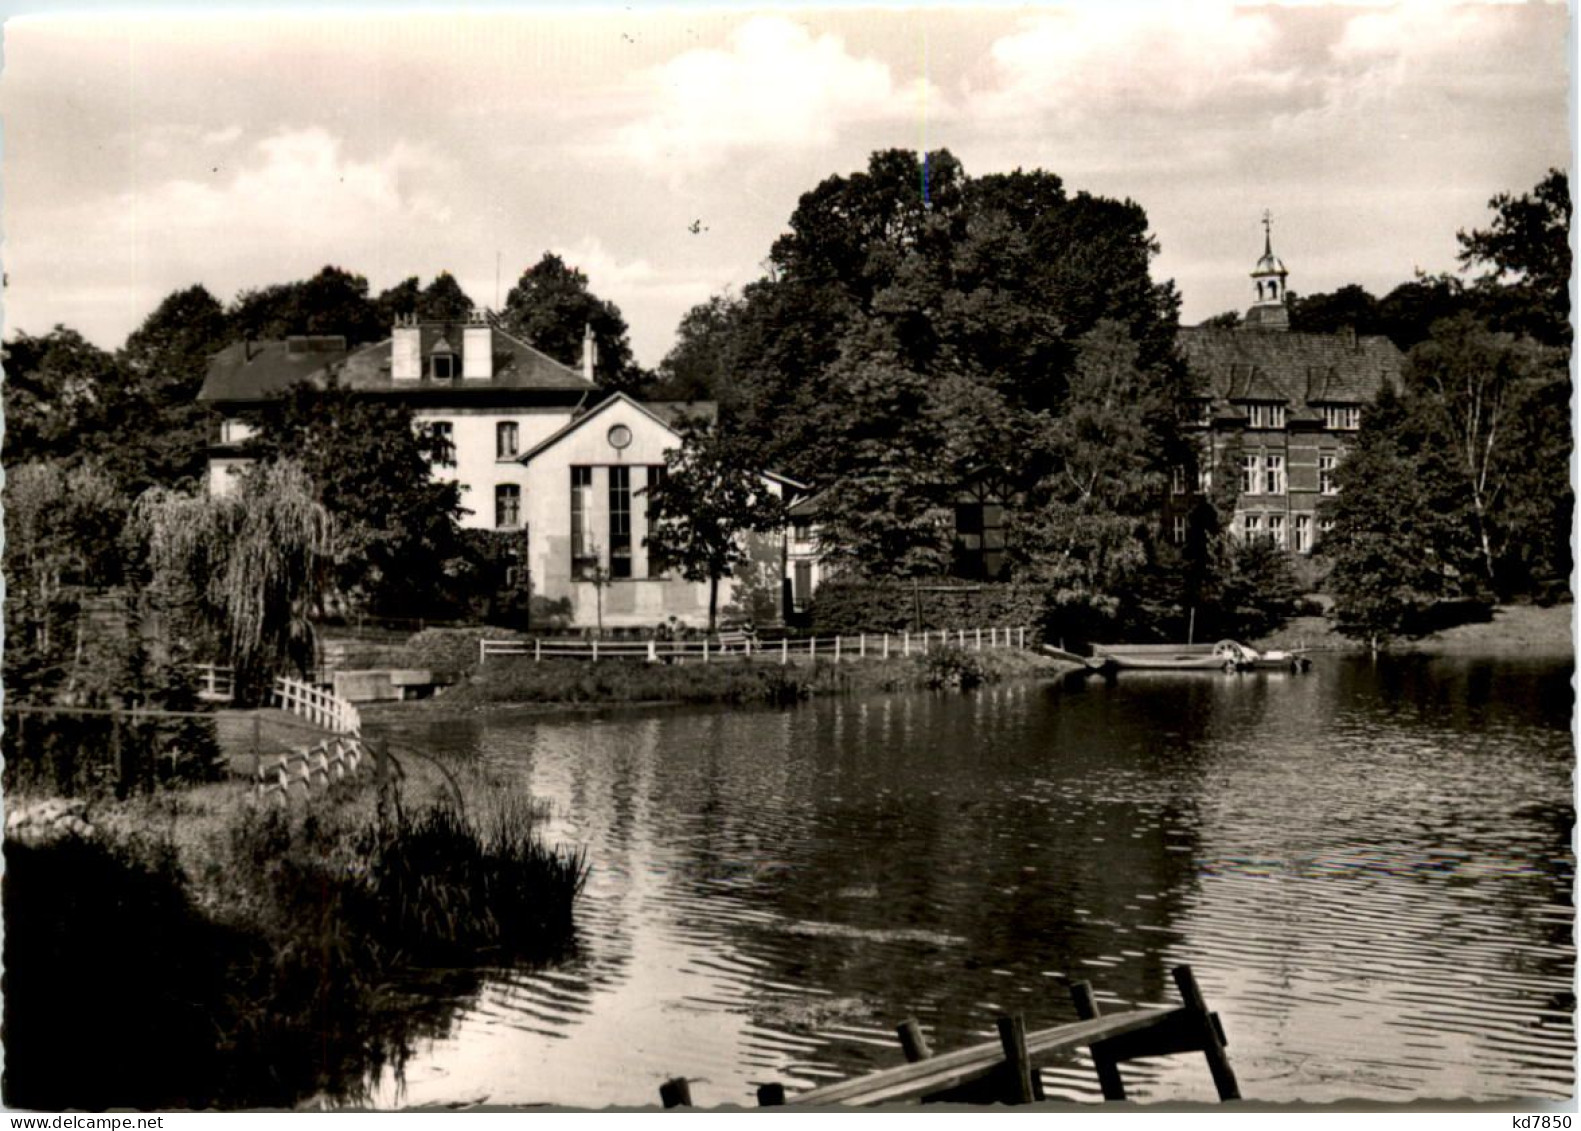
1369	870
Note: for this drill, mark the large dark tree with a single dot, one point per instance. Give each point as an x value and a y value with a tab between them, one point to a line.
166	359
990	280
396	532
701	364
61	394
551	307
333	301
1524	257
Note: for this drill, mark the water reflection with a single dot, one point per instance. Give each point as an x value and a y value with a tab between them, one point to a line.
1368	866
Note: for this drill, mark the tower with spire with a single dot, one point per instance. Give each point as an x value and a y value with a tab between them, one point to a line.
1269	311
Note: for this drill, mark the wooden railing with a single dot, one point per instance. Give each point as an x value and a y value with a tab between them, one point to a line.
319	707
319	766
866	645
216	683
1007	1070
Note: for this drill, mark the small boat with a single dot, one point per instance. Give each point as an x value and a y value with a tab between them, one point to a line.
1225	656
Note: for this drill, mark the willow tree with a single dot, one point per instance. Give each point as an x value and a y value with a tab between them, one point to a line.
248	567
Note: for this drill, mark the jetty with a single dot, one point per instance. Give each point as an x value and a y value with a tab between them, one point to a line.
1006	1070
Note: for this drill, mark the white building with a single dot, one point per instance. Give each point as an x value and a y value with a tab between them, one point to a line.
534	444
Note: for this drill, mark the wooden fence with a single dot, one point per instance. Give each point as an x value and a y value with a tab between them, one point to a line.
216	682
867	645
321	708
1006	1070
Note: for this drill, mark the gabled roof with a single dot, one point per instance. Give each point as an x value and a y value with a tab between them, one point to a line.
1296	368
257	371
573	425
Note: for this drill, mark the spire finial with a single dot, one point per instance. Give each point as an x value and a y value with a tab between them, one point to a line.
1268	232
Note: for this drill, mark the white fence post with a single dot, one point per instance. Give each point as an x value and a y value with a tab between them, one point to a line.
906	643
812	646
653	652
1023	632
837	647
886	645
483	651
979	640
705	649
595	649
784	650
861	646
537	649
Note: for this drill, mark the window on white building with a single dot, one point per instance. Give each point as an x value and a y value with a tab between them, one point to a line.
1177	480
507	506
1251	526
1178	529
1342	417
442	366
1249	467
655	477
507	439
443	434
1276	529
1325	475
1302	533
620	522
1274	475
584	555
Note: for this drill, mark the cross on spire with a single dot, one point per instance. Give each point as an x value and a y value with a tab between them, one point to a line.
1268	237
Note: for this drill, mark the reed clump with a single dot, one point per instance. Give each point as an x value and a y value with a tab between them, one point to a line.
304	957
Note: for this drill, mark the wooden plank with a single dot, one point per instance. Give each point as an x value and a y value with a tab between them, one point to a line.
1179	1032
912	1043
1104	1060
949	1070
1018	1063
1212	1045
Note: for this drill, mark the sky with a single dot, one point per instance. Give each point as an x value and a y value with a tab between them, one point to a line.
661	151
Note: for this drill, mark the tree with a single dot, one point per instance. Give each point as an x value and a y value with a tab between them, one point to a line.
1400	542
60	396
551	307
1524	257
1349	308
1087	533
251	566
701	364
334	301
397	537
1470	387
706	504
165	429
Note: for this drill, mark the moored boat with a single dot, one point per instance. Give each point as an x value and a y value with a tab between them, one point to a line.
1225	656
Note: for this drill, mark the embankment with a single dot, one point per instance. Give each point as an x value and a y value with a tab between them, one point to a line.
519	681
189	950
1510	630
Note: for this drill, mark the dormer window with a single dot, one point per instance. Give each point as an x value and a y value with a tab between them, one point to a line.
442	366
1266	415
1342	417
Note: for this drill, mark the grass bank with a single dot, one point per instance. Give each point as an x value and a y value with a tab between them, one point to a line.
758	679
197	952
1509	630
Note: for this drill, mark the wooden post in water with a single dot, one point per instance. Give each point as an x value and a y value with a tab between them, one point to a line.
1109	1080
1018	1065
1212	1040
912	1042
771	1095
676	1092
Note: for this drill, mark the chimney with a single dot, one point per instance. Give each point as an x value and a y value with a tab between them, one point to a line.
589	354
477	348
406	361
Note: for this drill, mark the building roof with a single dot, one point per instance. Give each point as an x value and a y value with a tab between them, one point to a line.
257	371
1294	368
578	421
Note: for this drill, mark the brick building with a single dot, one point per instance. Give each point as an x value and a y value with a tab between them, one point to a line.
1276	410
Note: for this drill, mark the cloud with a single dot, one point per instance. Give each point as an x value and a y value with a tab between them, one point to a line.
223	136
776	86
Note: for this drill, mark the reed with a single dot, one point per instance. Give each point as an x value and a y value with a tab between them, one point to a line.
300	961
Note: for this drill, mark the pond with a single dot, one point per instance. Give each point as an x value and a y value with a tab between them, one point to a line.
1368	866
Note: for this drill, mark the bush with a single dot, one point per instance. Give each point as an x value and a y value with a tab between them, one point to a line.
849	607
951	667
